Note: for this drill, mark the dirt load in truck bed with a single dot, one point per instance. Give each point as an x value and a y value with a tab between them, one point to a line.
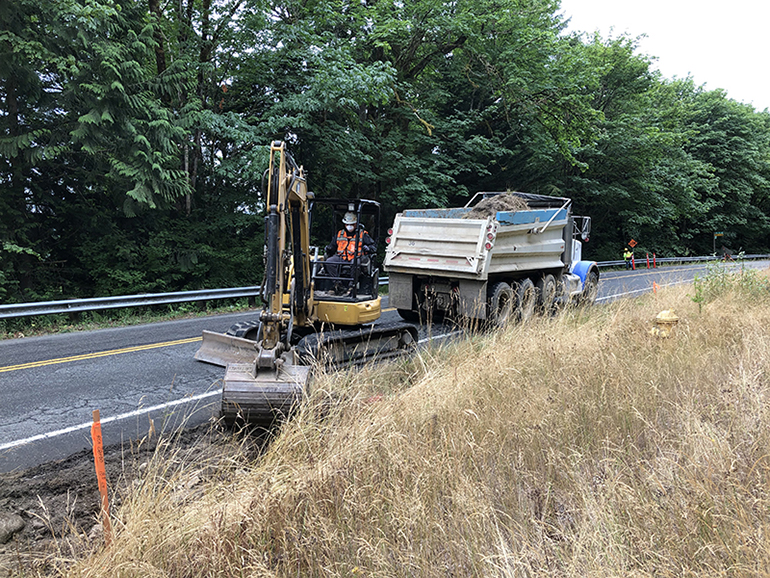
491	205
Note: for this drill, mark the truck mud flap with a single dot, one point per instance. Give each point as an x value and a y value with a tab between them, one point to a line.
220	349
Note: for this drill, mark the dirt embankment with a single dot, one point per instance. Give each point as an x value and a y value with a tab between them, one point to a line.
50	513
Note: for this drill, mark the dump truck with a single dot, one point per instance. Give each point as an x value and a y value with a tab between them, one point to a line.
499	258
310	313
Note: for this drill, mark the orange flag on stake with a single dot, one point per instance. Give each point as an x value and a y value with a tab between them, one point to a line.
101	475
654	287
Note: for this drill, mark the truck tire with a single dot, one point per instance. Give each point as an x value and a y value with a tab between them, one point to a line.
546	293
562	299
526	296
501	304
590	289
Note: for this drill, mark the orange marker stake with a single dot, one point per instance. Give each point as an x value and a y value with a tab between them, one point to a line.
101	475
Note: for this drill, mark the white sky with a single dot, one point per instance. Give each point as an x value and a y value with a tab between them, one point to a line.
720	44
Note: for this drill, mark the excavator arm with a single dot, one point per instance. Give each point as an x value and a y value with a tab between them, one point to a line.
287	245
267	388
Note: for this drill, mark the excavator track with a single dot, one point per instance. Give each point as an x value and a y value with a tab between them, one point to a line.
262	397
357	346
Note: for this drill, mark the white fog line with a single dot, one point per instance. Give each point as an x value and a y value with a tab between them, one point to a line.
430	338
645	290
82	426
137	412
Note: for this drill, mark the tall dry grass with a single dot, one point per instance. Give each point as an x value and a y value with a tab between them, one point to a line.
574	446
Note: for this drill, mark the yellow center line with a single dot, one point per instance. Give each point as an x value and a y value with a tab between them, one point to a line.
98	354
108	353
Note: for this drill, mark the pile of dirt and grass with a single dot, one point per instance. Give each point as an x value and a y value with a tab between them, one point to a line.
490	206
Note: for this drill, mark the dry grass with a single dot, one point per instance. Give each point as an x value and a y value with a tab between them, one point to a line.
575	446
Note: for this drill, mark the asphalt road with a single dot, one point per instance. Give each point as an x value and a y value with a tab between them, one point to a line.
50	385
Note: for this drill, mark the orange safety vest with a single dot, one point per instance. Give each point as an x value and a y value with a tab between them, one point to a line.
346	246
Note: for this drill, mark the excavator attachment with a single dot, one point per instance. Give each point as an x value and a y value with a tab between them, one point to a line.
261	397
222	349
268	370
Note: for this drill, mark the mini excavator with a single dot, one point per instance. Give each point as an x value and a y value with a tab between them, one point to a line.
309	317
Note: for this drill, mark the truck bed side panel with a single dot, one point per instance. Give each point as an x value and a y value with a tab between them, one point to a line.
435	242
437	246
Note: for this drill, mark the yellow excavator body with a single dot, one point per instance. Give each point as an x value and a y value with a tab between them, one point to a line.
268	367
341	313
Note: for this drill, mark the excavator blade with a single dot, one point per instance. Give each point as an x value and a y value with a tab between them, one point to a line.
220	349
260	397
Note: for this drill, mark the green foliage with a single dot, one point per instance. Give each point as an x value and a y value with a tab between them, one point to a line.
133	135
723	277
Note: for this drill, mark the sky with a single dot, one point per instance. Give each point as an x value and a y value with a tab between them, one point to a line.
719	44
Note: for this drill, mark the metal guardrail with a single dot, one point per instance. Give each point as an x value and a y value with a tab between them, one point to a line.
99	303
621	263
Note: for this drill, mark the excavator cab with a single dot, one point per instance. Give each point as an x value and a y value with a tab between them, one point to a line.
337	279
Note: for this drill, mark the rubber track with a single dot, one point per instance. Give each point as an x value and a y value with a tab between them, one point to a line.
360	344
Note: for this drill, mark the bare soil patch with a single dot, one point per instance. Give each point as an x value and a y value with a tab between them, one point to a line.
59	505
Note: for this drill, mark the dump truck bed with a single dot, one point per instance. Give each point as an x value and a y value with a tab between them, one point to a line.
440	242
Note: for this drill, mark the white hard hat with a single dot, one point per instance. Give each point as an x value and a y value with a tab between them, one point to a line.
349	219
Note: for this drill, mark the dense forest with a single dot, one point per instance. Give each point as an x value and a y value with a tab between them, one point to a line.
133	135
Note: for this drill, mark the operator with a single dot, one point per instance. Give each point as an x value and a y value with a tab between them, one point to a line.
627	256
341	251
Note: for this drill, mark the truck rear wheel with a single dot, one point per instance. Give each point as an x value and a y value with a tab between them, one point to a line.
562	299
546	293
501	303
526	296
